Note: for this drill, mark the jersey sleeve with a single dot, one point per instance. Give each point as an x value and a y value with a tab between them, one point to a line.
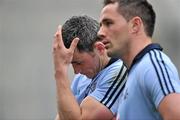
110	85
161	79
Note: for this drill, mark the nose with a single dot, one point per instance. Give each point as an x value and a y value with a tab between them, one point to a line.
101	33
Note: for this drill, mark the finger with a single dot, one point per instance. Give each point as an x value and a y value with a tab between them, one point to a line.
54	46
58	28
59	36
74	44
55	41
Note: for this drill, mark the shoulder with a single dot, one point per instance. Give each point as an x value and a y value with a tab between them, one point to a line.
79	81
157	75
114	68
156	62
117	63
114	74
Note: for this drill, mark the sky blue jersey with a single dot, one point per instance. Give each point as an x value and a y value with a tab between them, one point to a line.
79	85
105	87
151	77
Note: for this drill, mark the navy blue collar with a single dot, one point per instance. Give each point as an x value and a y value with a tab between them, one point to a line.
112	60
144	51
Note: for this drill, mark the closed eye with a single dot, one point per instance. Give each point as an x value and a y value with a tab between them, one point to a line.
76	62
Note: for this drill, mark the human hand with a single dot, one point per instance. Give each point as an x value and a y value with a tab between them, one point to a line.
62	56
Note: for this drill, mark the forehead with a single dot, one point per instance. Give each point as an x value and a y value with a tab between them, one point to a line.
81	56
110	10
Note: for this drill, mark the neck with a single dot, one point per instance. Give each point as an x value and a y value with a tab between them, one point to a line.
103	61
135	48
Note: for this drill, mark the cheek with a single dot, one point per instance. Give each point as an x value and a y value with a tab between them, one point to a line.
115	33
90	67
121	35
86	68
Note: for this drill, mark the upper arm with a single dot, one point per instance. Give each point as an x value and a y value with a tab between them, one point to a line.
167	103
160	77
170	107
108	89
102	103
94	110
163	85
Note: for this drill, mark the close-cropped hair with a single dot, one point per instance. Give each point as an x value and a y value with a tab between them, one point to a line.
106	2
83	27
132	8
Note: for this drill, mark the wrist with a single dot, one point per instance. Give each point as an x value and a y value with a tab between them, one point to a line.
61	72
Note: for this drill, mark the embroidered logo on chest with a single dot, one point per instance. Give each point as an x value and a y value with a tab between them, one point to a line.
126	94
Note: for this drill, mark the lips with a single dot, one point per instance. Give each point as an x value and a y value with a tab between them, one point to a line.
106	43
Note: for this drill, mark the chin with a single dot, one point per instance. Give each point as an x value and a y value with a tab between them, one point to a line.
113	54
89	76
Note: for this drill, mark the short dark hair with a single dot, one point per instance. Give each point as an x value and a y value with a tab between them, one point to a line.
83	27
131	8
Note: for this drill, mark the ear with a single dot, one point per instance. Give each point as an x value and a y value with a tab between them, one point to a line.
135	25
99	47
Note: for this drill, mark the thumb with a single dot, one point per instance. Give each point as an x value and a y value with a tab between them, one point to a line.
74	43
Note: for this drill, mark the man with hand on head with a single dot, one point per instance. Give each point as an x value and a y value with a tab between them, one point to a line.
77	44
152	90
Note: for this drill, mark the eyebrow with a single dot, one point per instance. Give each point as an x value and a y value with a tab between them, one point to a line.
74	62
105	20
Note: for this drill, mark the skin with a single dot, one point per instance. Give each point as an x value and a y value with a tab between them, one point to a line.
118	30
68	108
83	62
119	36
125	39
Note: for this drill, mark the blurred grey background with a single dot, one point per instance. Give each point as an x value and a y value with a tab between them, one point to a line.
27	85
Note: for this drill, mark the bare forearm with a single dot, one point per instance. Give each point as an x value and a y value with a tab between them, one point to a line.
68	108
57	117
